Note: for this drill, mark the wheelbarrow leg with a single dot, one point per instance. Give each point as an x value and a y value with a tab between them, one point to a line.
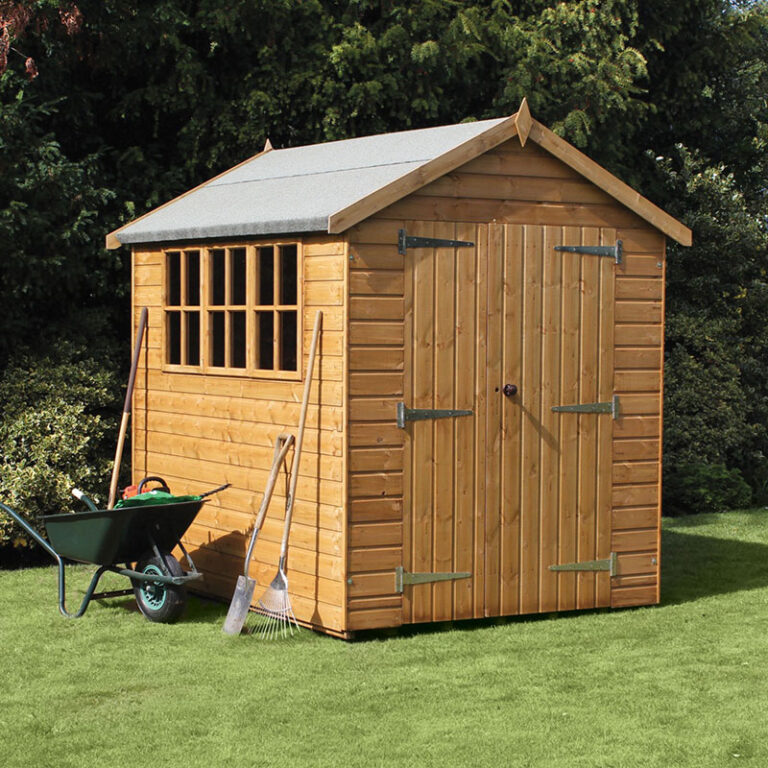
88	594
55	555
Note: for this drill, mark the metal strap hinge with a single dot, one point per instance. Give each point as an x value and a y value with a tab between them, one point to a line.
402	577
612	407
420	414
406	241
612	251
609	564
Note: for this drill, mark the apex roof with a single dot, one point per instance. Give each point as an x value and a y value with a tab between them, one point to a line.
332	186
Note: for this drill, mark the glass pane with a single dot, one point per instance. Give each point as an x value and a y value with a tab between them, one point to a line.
193	278
288	274
288	341
174	337
265	276
237	339
217	277
173	261
265	350
218	357
237	276
193	338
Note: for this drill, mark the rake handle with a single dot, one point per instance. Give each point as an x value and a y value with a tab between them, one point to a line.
280	453
300	438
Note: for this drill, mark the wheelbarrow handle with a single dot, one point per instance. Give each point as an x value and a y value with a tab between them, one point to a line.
80	496
31	531
55	555
215	490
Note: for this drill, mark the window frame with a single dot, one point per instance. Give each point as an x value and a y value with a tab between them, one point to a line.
251	307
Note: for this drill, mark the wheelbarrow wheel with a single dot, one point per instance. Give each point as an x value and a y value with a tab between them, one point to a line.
160	602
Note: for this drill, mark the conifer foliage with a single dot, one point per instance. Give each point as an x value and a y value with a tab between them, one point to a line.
110	107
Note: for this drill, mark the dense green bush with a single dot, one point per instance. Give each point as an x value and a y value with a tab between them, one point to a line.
716	368
57	425
123	105
696	487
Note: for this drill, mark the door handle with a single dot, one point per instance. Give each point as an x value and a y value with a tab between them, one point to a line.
510	390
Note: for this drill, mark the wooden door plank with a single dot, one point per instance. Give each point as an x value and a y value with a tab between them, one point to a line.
569	433
588	422
481	306
408	363
408	474
443	449
464	378
422	431
550	422
530	395
605	424
511	421
493	449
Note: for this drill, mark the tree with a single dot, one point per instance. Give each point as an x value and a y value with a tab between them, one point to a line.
109	108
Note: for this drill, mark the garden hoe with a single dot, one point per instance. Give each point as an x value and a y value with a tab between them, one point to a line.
275	604
241	599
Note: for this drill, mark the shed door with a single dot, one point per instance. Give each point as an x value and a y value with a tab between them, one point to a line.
514	488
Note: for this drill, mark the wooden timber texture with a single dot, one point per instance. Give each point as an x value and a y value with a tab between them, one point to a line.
199	431
501	494
377	321
515	487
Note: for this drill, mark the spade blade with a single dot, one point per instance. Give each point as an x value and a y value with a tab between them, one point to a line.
240	605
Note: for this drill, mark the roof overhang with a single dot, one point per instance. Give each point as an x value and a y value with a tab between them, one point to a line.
520	124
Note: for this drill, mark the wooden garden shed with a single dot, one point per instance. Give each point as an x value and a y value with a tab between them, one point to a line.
484	434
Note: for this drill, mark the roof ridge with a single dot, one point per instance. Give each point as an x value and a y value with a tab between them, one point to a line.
221	183
390	133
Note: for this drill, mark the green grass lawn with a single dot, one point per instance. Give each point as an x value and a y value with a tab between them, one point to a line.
681	684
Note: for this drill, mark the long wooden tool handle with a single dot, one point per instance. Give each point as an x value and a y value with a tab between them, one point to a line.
127	408
300	436
282	444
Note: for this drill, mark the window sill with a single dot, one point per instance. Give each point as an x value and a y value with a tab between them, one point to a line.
233	373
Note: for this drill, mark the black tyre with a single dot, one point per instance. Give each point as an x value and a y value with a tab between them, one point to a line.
160	602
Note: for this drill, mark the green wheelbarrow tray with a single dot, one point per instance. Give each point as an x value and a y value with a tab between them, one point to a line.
131	534
110	536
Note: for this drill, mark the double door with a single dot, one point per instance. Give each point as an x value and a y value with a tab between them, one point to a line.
507	329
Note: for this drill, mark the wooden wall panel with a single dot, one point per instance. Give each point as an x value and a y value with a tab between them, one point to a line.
377	364
362	509
202	430
636	493
529	187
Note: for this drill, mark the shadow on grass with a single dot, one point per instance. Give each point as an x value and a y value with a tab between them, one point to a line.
199	609
695	566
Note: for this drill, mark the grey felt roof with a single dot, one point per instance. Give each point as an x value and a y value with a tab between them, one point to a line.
296	190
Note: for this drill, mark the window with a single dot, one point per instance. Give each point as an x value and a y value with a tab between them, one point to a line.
234	309
183	307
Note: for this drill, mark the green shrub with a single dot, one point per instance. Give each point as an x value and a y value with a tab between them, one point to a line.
695	487
57	427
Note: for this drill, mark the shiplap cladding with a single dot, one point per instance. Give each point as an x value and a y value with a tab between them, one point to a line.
502	494
514	488
199	430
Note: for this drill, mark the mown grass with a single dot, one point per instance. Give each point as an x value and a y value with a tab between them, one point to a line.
681	684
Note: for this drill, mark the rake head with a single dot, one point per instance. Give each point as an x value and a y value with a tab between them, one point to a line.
274	612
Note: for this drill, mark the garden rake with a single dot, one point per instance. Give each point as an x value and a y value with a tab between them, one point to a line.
274	607
241	599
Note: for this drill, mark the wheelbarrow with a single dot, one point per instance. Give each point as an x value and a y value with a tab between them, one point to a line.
144	535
